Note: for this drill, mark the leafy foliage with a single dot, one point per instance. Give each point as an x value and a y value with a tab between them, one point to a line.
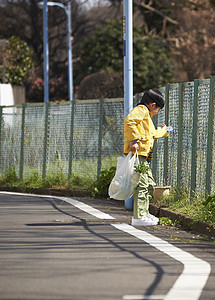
152	62
212	2
36	88
103	182
209	206
196	207
186	24
103	50
52	180
17	60
166	221
101	85
10	177
141	168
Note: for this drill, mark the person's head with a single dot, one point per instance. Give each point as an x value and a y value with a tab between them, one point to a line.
154	100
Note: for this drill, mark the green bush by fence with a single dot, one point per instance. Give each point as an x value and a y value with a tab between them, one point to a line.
84	137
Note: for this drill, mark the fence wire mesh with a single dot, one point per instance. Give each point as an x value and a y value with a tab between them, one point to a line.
202	133
173	136
158	151
187	130
58	133
112	132
33	140
10	138
86	136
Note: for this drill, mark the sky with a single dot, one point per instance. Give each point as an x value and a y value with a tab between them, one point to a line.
93	3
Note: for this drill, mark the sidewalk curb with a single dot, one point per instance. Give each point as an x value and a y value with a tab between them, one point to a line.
185	221
48	191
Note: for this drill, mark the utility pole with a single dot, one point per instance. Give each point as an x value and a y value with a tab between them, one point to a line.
69	49
128	56
46	51
67	10
128	67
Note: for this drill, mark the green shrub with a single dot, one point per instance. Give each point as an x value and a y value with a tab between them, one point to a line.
196	207
166	221
55	180
209	209
34	181
103	182
77	182
10	177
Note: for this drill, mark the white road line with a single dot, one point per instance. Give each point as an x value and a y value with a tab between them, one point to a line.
25	194
87	208
192	280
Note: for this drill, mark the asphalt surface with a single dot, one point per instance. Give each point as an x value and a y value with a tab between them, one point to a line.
50	249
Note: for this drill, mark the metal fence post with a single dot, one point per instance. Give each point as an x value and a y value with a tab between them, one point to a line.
22	143
210	137
47	104
194	138
72	108
101	109
180	120
154	155
167	87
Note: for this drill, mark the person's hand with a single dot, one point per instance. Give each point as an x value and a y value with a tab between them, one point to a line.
163	126
134	147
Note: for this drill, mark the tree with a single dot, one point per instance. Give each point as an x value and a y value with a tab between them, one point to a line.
188	27
101	85
24	19
17	60
152	62
193	41
156	15
103	51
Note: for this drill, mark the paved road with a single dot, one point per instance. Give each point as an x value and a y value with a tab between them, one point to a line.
53	249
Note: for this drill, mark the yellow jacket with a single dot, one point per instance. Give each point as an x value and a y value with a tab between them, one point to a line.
139	126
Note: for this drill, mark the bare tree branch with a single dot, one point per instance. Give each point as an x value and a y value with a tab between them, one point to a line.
152	9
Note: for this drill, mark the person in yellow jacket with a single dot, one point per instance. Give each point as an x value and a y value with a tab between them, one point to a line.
139	134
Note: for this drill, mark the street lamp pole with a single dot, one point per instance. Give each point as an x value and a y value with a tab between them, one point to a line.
128	66
128	57
69	40
69	50
46	51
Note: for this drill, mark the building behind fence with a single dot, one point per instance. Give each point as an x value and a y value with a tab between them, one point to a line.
81	138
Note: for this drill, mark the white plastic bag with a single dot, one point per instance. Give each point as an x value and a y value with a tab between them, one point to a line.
135	180
121	185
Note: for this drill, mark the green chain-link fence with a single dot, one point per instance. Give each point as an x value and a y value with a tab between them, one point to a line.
84	137
78	138
187	156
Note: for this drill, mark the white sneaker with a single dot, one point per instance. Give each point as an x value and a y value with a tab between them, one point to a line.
151	217
144	221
